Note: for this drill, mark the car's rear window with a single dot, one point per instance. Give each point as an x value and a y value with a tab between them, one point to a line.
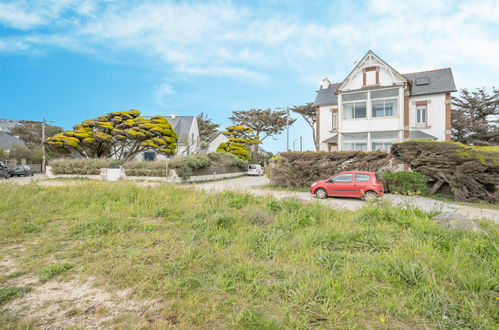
252	167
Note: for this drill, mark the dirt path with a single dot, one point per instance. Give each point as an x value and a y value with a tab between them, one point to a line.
253	185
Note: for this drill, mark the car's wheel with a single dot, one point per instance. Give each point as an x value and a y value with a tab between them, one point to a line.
370	196
320	193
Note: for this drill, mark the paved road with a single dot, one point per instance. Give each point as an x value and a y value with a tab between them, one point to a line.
24	179
253	185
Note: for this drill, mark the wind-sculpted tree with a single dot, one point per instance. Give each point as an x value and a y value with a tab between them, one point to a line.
121	135
240	138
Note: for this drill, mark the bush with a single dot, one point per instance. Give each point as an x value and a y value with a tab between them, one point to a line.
142	168
80	166
406	183
300	169
185	164
471	172
226	159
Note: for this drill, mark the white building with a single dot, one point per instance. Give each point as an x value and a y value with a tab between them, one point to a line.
376	106
213	145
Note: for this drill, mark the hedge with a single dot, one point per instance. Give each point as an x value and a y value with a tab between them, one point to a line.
471	172
300	169
406	183
143	168
80	166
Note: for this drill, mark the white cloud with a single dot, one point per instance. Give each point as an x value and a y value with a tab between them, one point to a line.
224	39
161	93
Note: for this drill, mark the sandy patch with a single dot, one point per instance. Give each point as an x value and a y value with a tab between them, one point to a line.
60	305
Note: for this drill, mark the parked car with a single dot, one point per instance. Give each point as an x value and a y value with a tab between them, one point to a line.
358	184
255	169
4	171
21	170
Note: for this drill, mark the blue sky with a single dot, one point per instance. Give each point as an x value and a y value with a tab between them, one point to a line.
69	60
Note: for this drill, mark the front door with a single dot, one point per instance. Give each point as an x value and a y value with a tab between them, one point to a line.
341	186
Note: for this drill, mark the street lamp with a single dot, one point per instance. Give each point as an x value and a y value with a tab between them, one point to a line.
287	126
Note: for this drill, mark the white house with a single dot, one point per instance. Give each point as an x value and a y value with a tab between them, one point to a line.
213	145
376	106
187	130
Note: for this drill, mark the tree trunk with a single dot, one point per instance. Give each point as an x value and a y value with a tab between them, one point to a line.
436	187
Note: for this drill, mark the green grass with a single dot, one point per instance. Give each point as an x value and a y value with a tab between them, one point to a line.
233	260
283	188
12	292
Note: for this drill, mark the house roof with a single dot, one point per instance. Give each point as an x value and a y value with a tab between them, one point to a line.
7	124
332	139
327	96
181	125
8	141
440	81
420	135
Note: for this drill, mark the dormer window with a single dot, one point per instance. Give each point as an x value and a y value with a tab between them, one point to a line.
422	81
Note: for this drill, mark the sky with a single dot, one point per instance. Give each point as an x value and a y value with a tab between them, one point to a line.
70	60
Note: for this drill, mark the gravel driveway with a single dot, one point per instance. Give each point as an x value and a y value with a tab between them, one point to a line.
253	185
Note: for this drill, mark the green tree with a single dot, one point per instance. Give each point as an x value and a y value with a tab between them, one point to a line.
31	132
121	134
240	138
207	130
309	113
475	117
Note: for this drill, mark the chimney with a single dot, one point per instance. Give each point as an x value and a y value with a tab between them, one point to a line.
325	83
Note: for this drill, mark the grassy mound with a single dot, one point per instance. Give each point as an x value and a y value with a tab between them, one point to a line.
233	260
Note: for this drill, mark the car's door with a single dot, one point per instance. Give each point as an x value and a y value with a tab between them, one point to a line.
340	185
362	180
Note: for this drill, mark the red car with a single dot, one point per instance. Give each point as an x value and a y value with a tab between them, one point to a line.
357	184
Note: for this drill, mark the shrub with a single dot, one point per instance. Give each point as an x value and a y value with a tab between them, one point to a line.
300	169
406	183
142	168
185	164
80	166
472	173
226	159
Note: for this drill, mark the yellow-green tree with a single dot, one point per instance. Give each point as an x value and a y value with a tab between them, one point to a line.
240	138
120	134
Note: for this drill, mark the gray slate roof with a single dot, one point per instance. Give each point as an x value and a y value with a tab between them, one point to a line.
7	124
327	96
182	126
441	81
8	141
420	135
332	139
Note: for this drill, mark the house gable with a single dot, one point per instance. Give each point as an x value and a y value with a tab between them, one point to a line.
371	72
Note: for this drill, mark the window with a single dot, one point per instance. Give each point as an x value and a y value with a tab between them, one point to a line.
422	81
343	178
354	110
334	123
359	177
384	108
383	140
354	141
383	103
354	106
149	156
421	115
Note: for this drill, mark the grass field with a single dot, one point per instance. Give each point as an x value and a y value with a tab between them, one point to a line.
233	260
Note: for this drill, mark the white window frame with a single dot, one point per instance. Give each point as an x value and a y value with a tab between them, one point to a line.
420	109
353	113
384	99
334	121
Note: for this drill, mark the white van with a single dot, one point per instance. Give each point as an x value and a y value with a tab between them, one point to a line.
255	169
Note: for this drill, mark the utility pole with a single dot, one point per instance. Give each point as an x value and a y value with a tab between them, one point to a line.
301	143
287	129
43	146
287	126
